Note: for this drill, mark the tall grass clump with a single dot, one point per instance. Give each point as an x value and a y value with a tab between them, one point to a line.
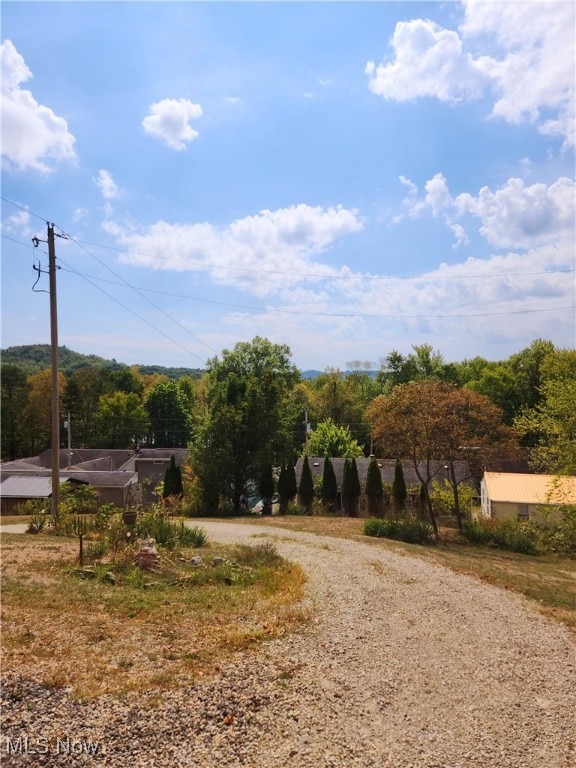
403	529
155	524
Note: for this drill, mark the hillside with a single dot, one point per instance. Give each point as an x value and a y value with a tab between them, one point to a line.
34	358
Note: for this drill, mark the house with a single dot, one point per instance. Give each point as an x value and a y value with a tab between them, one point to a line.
507	496
439	471
17	490
120	477
119	488
150	464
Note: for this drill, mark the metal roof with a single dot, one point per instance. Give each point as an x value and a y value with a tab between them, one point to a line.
530	489
27	487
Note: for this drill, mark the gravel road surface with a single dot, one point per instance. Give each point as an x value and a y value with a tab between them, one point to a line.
404	664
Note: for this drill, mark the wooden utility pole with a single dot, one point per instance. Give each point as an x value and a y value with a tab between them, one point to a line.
54	388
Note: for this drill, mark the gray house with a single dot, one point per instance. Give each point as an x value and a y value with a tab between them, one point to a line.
387	467
120	477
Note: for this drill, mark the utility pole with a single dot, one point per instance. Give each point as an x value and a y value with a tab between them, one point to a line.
68	425
54	388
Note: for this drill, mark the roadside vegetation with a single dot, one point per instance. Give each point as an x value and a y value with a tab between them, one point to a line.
151	605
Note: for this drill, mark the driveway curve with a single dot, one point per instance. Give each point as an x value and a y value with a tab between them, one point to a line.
405	664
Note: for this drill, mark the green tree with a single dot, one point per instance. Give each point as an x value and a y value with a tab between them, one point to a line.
121	420
374	488
399	492
551	425
350	488
306	485
329	484
172	485
37	422
14	399
170	419
329	439
291	485
266	488
84	389
247	425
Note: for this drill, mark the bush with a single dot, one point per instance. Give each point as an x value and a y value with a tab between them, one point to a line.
512	535
295	509
37	523
562	538
406	529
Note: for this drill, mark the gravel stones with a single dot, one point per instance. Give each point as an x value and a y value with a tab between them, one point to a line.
404	664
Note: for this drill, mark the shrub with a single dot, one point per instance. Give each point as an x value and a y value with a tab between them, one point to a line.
562	538
512	535
295	509
406	529
37	523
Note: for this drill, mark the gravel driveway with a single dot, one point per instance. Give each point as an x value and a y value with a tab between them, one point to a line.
404	664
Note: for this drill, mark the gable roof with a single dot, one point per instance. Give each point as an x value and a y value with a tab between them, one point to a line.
530	489
386	466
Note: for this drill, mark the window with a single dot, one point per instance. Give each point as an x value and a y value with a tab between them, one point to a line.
523	513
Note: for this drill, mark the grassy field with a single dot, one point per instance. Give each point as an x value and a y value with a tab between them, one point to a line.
549	581
96	637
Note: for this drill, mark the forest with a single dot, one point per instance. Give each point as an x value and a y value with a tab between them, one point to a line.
252	408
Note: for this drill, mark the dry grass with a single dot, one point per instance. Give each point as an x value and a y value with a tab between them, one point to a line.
549	581
98	638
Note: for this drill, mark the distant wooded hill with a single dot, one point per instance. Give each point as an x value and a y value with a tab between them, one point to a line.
34	358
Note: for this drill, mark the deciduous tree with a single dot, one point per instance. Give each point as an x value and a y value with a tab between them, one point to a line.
433	421
329	439
247	424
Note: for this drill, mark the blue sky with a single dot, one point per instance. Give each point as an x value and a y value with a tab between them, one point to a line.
346	178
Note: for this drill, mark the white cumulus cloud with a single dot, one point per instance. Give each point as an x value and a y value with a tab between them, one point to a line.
523	216
529	70
513	216
262	253
169	121
429	61
33	136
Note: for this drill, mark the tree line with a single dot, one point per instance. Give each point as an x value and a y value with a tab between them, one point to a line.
250	410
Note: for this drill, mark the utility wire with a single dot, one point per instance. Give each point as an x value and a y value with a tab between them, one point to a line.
209	265
328	314
141	294
71	269
250	308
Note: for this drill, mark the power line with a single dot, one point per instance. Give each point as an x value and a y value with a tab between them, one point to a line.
251	308
140	293
328	314
71	269
209	265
